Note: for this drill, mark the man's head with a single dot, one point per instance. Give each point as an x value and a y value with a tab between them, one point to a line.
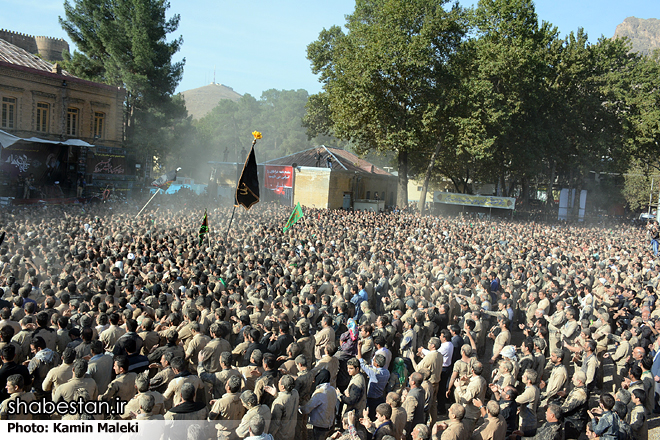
607	402
638	353
249	399
553	413
188	392
457	411
257	425
434	343
579	379
121	365
529	377
493	408
233	384
509	393
147	403
383	412
287	383
379	361
557	356
353	366
416	380
421	432
79	368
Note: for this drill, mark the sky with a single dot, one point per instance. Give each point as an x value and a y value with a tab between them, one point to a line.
258	45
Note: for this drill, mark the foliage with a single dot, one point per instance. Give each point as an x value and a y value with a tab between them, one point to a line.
124	43
637	186
386	79
277	114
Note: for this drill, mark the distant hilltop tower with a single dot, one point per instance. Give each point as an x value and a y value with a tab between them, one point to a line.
48	48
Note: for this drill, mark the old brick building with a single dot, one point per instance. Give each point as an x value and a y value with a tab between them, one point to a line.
40	100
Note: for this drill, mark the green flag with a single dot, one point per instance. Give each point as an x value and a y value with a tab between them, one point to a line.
204	228
296	215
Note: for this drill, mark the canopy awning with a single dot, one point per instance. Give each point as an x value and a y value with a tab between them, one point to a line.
7	140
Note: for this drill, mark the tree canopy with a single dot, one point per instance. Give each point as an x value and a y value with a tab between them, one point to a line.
125	43
493	92
386	79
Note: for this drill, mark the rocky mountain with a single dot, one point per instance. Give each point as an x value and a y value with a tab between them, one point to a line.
202	100
643	33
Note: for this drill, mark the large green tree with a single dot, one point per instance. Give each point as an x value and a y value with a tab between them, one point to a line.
125	43
385	79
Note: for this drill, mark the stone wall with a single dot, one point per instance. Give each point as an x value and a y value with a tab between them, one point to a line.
48	48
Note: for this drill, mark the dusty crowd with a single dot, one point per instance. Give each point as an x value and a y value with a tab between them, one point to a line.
350	325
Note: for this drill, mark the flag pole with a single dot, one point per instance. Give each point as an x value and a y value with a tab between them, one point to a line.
152	197
229	225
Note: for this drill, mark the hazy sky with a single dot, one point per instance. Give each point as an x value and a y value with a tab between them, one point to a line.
259	45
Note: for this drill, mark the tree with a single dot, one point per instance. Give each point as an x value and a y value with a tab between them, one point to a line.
385	79
642	185
124	43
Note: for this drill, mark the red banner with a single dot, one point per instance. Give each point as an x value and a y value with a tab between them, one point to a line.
278	176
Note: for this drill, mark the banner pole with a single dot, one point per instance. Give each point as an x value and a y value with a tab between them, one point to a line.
145	205
229	225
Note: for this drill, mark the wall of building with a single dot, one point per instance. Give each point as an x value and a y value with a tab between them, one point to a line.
340	182
48	48
385	186
29	87
312	187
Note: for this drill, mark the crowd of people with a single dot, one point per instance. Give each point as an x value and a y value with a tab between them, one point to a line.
351	325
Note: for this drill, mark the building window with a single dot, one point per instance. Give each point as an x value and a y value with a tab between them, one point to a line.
8	112
99	124
72	121
368	195
419	188
42	116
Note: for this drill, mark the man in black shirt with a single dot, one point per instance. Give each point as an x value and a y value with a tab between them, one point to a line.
9	367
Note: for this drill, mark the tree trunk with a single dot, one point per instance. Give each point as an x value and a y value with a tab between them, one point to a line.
549	203
525	190
576	200
466	180
427	177
402	189
502	186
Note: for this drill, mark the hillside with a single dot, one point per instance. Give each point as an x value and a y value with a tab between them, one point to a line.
202	100
643	33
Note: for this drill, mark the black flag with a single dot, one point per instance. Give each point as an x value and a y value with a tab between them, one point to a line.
247	190
164	181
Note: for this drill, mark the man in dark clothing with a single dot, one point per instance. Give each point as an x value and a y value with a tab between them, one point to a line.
253	336
137	363
9	367
188	409
171	345
278	344
551	429
120	345
509	409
